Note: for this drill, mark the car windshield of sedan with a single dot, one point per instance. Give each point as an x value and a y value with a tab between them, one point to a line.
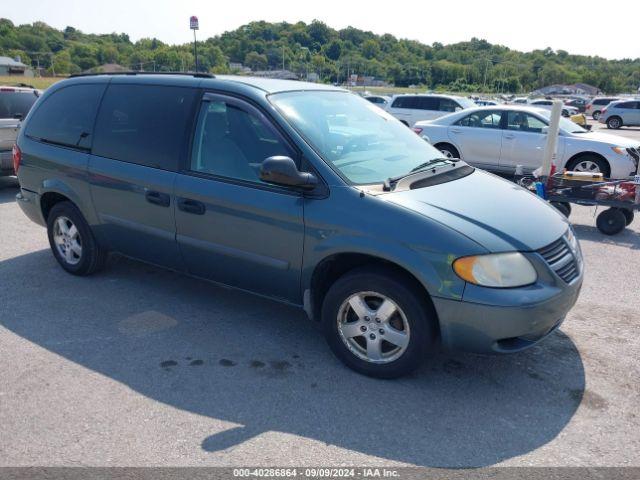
565	124
363	142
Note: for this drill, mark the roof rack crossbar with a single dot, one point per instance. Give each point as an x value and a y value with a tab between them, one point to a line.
135	72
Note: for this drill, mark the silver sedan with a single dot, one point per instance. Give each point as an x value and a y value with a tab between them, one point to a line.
500	138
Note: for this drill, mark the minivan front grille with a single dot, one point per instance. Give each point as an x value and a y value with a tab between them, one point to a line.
635	154
561	259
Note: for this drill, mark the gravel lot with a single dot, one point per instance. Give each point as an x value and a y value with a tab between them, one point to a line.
141	366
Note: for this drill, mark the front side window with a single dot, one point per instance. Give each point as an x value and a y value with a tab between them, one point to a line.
523	122
448	105
361	141
144	124
405	102
66	117
481	120
232	141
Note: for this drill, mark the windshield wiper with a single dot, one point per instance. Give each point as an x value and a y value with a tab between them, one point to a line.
389	182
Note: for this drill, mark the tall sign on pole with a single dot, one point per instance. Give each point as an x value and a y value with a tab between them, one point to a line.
193	24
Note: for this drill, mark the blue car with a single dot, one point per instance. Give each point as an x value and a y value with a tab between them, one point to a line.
302	193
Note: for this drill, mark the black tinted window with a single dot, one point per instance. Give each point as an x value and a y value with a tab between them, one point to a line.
405	102
232	141
14	104
66	117
427	103
603	101
144	124
625	105
448	105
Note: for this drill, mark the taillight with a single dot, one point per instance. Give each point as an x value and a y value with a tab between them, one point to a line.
604	110
588	106
17	157
418	130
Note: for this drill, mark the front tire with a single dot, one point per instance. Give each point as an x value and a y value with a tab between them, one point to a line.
72	242
378	323
589	163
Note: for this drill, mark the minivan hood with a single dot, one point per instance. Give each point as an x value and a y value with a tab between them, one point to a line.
497	214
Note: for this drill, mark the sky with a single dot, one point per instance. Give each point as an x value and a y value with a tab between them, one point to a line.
520	25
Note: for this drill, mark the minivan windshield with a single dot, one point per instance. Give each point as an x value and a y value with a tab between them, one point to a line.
362	141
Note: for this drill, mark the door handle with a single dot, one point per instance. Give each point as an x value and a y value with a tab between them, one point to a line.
191	206
157	198
509	136
455	130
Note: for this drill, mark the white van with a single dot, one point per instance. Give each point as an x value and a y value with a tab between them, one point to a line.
409	108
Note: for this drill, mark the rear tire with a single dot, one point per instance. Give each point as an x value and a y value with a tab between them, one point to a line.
448	151
596	115
387	332
72	241
628	214
614	123
611	221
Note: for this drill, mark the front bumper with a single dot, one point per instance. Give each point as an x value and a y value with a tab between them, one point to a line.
489	320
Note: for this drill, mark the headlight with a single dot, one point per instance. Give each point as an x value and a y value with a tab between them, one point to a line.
619	150
499	270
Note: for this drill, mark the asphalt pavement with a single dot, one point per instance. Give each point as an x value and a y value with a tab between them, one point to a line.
139	366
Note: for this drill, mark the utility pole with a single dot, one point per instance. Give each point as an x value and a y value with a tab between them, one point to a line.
283	57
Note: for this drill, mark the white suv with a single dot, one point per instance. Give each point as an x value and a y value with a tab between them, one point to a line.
595	106
410	108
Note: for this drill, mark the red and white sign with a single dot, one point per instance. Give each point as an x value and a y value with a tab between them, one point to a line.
193	23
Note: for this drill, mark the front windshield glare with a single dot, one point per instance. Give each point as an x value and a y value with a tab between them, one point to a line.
362	141
565	124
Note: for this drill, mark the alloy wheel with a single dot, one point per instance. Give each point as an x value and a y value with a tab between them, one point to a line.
373	327
587	166
67	240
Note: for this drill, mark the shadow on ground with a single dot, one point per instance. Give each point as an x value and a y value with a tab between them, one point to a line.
264	366
9	187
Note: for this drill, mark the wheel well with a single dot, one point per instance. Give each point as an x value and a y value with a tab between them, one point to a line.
404	122
333	267
48	200
447	144
578	156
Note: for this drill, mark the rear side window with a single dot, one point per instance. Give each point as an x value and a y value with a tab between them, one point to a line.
626	105
405	102
66	117
16	104
603	101
144	124
428	103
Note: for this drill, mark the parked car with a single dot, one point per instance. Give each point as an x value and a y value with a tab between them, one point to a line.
15	103
579	103
595	106
500	138
302	193
381	100
409	108
486	103
519	100
621	113
567	111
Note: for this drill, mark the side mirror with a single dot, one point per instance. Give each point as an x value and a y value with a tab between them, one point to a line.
281	170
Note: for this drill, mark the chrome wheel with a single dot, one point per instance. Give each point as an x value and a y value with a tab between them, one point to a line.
373	327
613	123
67	240
596	115
586	166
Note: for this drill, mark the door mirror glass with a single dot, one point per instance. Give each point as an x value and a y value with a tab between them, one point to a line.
281	170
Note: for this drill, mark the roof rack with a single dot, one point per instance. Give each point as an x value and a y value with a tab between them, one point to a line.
135	72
